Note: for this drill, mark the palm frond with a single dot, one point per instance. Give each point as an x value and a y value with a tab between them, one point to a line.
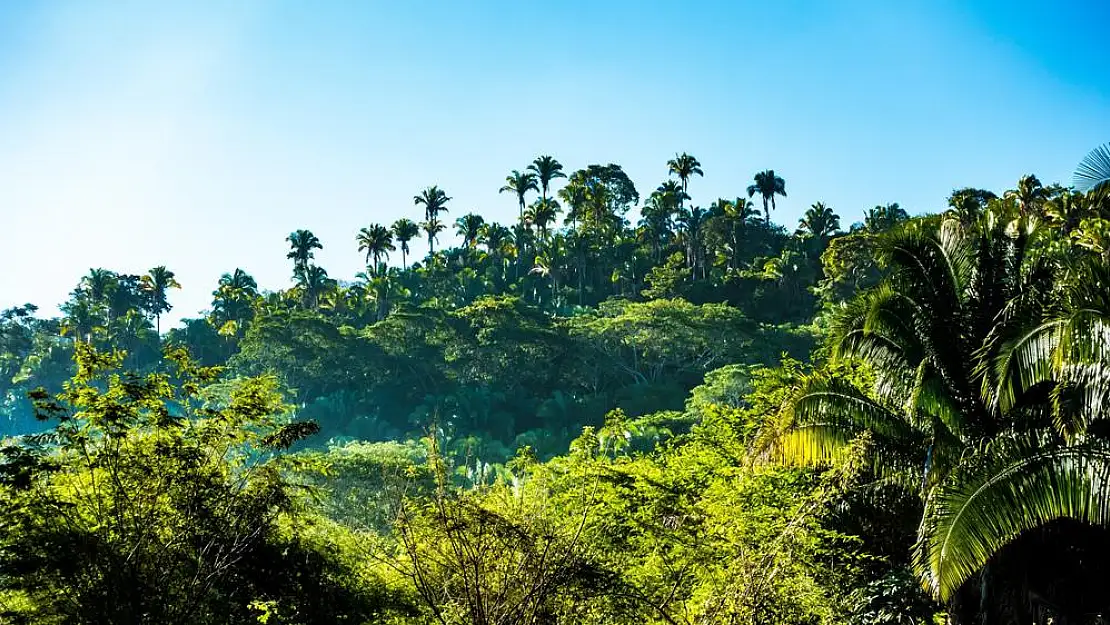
931	399
812	445
1007	488
925	269
1021	363
1094	170
835	403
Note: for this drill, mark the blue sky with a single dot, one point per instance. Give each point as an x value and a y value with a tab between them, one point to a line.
199	134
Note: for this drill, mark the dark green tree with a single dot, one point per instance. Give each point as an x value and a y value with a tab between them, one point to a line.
685	167
520	184
546	169
405	230
768	185
156	284
468	228
434	201
377	242
301	244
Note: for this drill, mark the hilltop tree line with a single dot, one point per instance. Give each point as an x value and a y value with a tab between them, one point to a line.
519	331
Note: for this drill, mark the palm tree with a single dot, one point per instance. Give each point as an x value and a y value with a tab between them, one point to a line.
692	224
523	240
684	166
727	227
81	320
656	220
155	285
497	239
495	236
432	228
127	295
232	299
302	243
883	218
380	289
968	204
546	169
982	391
520	184
99	284
377	242
99	287
672	189
434	200
240	281
1030	194
1067	210
468	227
542	213
574	196
768	185
819	222
405	230
548	264
313	281
1094	170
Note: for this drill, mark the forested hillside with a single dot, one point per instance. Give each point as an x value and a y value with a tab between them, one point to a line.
626	406
520	335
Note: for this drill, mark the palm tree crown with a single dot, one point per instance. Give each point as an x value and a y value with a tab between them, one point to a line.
542	213
819	222
768	185
884	217
155	285
377	242
434	200
674	192
546	169
405	230
1030	194
239	280
520	183
313	282
302	243
468	227
684	166
495	237
432	227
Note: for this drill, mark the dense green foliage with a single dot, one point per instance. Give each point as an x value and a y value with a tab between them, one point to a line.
652	412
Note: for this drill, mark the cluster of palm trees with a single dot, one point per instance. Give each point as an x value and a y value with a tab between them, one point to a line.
112	304
595	248
377	240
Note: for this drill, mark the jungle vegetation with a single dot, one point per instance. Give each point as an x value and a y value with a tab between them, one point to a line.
623	407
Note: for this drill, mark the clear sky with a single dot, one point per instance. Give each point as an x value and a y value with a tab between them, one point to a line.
198	134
